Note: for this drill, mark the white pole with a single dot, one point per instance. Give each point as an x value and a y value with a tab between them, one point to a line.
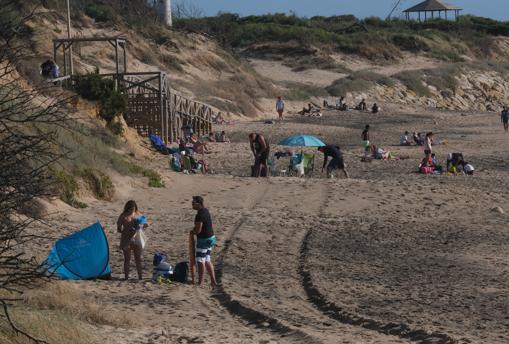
167	13
71	67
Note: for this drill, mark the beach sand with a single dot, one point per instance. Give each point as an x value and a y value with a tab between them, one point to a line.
387	256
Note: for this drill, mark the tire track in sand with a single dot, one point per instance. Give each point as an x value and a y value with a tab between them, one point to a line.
234	307
333	311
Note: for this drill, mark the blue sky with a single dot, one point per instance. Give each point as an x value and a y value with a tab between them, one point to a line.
497	9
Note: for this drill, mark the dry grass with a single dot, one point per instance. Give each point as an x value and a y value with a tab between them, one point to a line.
51	326
67	299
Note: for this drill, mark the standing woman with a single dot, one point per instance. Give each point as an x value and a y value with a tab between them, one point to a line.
428	143
127	224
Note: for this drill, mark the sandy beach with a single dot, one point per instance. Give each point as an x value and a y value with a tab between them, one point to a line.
387	256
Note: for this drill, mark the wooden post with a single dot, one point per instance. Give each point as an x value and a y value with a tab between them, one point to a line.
54	52
116	65
125	56
69	34
161	108
65	59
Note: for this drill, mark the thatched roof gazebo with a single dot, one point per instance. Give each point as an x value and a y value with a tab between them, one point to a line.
432	9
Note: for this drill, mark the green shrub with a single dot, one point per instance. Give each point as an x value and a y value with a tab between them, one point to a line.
100	183
100	13
342	86
413	81
298	91
411	43
126	167
373	77
443	78
96	88
67	187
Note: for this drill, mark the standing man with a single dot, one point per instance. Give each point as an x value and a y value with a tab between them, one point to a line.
280	108
336	162
261	151
206	240
365	139
504	117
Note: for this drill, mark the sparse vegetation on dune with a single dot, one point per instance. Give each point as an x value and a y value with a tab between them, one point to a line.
372	38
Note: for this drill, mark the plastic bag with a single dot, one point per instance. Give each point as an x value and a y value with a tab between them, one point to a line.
139	238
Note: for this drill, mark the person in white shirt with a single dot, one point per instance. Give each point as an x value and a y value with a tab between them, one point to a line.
403	140
280	107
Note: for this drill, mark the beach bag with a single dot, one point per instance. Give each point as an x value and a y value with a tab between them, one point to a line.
427	169
163	270
181	272
139	238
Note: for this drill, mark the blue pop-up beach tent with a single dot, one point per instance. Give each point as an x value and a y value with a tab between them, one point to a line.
81	255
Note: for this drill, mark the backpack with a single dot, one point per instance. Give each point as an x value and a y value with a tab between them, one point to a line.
181	272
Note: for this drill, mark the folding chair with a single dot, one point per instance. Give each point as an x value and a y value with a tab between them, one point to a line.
308	160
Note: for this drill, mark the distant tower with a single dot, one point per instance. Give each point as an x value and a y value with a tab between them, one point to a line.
163	8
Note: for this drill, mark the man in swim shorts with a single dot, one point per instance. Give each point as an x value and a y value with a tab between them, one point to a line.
206	240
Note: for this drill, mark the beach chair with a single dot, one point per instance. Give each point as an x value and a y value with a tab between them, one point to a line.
308	160
186	164
295	161
271	164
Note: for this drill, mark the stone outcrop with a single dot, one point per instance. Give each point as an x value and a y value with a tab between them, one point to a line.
476	91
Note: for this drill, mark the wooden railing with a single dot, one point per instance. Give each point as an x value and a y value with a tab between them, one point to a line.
154	108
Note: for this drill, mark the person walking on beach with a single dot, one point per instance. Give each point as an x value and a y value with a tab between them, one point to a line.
365	139
504	117
280	108
336	162
127	224
206	240
261	151
428	143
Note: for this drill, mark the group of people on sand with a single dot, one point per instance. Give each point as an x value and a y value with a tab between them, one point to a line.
315	110
261	152
342	105
128	224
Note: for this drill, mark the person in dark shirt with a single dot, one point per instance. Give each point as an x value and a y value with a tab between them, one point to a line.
336	162
504	117
261	150
205	240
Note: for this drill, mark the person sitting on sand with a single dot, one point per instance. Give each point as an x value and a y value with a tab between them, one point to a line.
223	138
206	240
454	162
200	147
219	119
336	162
127	225
362	105
306	110
426	166
375	108
211	137
418	139
403	140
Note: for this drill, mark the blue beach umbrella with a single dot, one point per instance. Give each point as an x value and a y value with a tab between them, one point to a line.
302	141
